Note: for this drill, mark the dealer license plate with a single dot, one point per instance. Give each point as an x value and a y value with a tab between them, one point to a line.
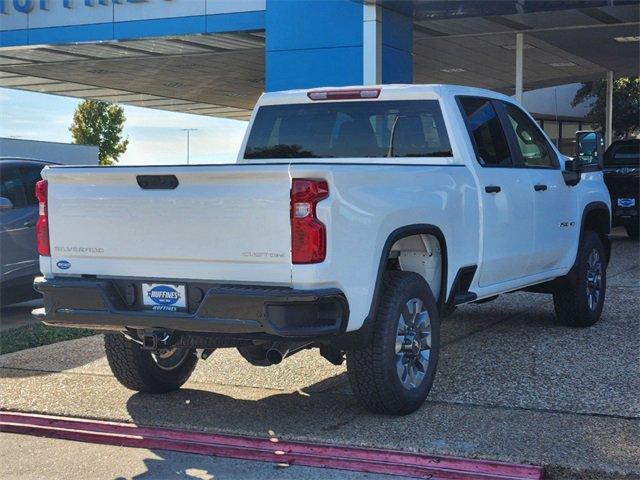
626	202
164	296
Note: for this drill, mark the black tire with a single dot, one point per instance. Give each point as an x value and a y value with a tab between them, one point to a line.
372	369
571	298
137	370
633	230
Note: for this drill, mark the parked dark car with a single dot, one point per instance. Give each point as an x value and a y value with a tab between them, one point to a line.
622	177
18	215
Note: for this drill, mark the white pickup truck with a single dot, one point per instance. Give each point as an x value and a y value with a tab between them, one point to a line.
354	220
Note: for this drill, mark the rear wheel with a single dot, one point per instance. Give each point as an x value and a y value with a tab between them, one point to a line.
579	300
394	373
144	371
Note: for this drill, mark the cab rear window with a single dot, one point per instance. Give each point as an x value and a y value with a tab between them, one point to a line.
406	128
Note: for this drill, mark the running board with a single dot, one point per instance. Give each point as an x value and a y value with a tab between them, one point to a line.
461	298
460	293
265	449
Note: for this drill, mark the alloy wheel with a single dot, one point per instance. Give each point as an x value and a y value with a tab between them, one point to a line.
170	358
413	344
594	279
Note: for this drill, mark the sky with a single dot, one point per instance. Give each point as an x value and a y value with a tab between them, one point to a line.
155	136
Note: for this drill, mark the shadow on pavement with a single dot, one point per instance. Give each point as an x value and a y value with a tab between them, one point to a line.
225	414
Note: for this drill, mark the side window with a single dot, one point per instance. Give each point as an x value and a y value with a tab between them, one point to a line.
532	145
30	176
485	129
11	186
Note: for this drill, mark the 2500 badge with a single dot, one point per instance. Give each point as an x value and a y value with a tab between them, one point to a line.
163	296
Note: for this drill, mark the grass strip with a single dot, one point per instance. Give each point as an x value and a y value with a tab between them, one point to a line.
36	335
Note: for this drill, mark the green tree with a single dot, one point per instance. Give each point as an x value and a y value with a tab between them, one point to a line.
626	104
100	123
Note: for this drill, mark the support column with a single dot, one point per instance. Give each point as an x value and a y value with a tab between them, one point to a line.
323	43
519	66
608	135
371	44
397	45
313	43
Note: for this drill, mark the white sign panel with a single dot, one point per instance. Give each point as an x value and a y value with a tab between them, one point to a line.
23	14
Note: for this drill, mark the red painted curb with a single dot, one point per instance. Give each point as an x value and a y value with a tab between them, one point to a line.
269	450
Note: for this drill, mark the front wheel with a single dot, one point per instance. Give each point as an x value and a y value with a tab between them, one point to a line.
144	371
578	302
633	230
393	374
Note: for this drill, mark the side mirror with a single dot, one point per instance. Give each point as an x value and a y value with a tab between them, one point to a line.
589	150
5	203
570	174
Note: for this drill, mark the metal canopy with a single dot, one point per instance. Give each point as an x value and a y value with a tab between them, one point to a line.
471	43
461	42
218	75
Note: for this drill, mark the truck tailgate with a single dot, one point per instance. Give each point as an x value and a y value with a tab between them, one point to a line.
226	223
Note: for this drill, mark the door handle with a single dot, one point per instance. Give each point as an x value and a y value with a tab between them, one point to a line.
492	189
29	224
539	188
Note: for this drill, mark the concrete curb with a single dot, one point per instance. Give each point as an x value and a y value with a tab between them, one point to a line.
268	450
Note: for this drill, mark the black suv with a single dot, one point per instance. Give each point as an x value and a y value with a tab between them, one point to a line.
622	177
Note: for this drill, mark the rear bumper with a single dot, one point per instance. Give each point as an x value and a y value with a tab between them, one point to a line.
226	309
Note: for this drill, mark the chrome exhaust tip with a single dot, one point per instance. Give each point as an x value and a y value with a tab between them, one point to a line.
278	351
275	356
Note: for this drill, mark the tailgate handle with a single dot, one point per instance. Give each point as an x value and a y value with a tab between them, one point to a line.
157	182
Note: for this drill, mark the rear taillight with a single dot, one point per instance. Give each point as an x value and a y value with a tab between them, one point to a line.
308	234
42	227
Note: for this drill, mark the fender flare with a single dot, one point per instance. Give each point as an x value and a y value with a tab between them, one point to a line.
590	207
397	234
360	338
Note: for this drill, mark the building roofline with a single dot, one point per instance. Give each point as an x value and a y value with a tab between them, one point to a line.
47	141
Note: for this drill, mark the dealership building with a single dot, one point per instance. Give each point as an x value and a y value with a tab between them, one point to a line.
215	57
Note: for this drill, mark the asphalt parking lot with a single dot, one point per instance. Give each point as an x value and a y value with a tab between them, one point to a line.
511	386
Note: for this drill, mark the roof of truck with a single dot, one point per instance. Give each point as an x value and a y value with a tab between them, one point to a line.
387	92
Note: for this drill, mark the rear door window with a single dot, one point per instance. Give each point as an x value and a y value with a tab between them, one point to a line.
30	176
408	128
12	186
485	129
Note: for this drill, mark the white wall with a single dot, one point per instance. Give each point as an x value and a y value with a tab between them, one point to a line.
555	101
65	153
